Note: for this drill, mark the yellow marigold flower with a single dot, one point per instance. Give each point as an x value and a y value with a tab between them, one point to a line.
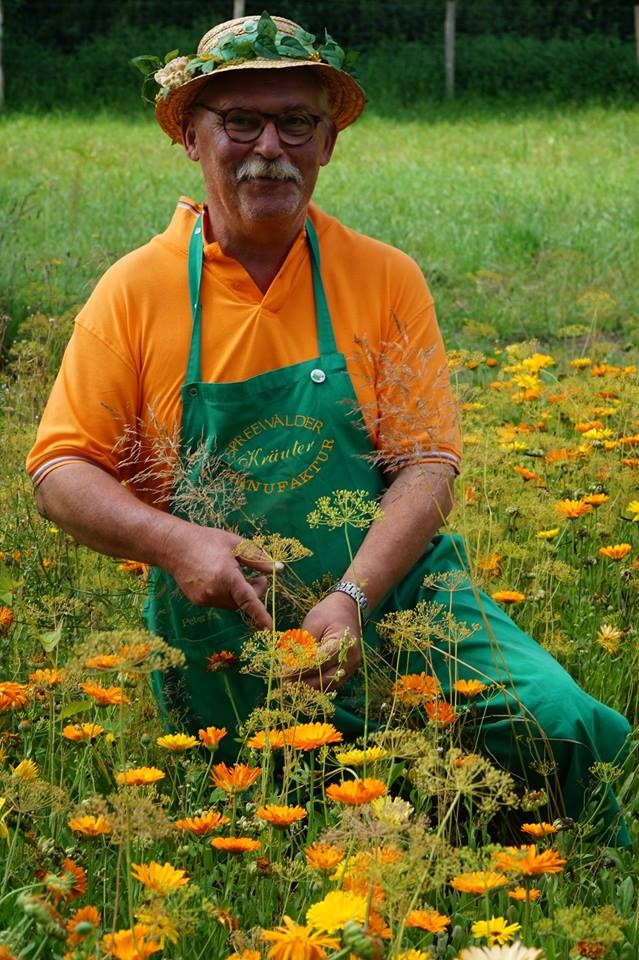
297	649
211	736
235	844
596	499
470	688
508	596
415	688
246	954
609	637
47	677
203	824
79	732
496	930
132	944
6	618
393	811
538	361
13	695
274	738
615	552
538	829
291	941
429	920
548	534
139	776
177	742
337	907
580	363
357	758
26	771
323	856
162	879
478	881
526	861
159	924
103	661
572	509
281	816
234	779
310	736
413	954
91	826
356	792
87	919
633	508
523	894
104	696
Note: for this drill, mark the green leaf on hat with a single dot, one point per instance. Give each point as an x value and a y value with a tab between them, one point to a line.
291	47
148	64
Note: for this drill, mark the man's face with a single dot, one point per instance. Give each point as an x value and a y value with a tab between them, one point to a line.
266	179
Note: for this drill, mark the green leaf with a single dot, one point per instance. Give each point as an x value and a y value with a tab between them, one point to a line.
74	707
266	28
291	47
7	584
171	56
147	64
266	48
51	639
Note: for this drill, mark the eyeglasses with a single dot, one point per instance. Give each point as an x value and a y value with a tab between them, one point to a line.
245	126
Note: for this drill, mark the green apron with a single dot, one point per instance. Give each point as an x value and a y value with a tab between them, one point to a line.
295	435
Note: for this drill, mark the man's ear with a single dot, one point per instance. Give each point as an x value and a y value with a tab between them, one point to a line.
189	137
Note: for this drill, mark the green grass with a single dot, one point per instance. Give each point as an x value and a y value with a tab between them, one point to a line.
546	201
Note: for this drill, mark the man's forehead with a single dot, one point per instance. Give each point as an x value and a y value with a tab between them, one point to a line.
292	83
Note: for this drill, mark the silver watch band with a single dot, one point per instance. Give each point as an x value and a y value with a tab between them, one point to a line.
356	593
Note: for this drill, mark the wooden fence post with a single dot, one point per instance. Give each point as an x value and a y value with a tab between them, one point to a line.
637	30
449	48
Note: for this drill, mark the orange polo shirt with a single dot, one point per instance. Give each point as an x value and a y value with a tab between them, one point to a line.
118	389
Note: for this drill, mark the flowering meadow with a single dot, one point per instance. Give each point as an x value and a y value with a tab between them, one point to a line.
122	839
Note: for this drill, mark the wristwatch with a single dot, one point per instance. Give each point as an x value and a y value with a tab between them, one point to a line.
354	592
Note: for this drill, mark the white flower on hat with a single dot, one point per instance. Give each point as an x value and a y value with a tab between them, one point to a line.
172	73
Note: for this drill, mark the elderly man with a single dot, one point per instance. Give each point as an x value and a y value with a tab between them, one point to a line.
294	360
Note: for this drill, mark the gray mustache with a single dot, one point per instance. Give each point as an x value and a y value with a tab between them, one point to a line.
274	169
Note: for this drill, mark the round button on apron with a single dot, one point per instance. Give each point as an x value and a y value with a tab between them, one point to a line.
318	376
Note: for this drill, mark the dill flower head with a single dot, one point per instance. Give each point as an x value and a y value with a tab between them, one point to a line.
132	944
496	930
91	826
323	856
478	881
211	736
572	509
616	551
234	779
82	732
281	816
356	792
345	508
162	879
203	824
526	861
310	736
139	776
177	742
236	844
429	920
291	940
13	695
337	907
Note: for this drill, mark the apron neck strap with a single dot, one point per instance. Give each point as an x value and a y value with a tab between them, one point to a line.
325	336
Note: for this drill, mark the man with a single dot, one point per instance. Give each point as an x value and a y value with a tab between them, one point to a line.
294	360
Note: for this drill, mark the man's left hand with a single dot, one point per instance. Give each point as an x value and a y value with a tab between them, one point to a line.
329	621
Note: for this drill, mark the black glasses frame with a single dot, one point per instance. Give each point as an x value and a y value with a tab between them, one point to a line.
266	118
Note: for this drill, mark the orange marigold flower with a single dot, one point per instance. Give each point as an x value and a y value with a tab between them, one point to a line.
470	688
91	826
82	732
6	618
281	816
134	567
139	776
135	654
88	919
291	940
297	648
441	712
235	844
491	565
130	944
527	474
70	884
466	760
13	695
595	499
221	660
632	462
523	894
161	878
211	736
203	824
478	881
572	509
246	954
274	738
429	920
508	596
615	552
415	688
526	861
538	829
310	736
591	948
234	779
47	677
356	792
323	856
103	661
177	742
104	696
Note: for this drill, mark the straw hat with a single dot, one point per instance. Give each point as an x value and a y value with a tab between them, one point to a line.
255	43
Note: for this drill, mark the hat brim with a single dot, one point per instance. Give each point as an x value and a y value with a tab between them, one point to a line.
346	97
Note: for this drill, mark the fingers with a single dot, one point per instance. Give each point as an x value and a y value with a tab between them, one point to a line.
245	597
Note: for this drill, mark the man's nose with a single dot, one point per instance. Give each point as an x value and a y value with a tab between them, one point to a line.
268	144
